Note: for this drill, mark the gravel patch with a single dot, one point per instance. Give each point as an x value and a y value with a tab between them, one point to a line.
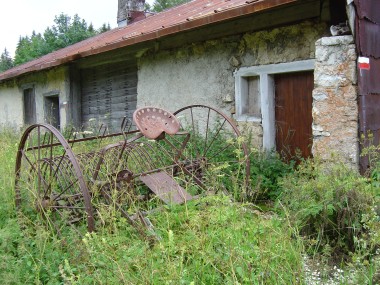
316	274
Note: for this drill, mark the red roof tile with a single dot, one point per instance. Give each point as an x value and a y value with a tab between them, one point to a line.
185	17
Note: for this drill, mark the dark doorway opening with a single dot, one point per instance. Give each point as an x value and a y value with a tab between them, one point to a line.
52	111
29	106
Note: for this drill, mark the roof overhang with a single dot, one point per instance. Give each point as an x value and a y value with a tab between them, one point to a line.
76	52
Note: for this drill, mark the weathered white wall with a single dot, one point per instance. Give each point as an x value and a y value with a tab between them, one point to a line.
203	73
11	115
175	79
55	81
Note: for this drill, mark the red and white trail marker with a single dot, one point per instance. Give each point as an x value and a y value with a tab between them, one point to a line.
363	63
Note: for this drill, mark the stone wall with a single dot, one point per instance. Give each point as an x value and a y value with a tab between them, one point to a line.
203	73
335	107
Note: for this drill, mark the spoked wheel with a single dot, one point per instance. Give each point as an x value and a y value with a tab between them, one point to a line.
49	180
216	153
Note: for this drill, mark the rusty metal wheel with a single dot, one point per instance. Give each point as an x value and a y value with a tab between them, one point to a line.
216	153
49	180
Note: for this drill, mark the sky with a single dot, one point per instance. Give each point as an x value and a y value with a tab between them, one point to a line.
21	17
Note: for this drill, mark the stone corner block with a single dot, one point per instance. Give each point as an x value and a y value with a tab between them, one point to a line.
337	40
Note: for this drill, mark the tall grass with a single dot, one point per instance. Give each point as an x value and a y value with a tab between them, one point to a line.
212	240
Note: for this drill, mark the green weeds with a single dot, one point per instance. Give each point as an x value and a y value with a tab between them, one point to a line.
267	170
334	209
330	214
210	241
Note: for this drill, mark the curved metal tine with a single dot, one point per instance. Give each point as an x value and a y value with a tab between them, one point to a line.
39	157
172	156
73	140
214	137
125	127
125	215
67	172
31	146
138	159
74	134
51	147
56	171
158	158
31	165
182	146
51	223
207	127
141	160
231	141
219	151
122	127
99	130
71	224
44	139
193	134
144	154
103	128
68	207
190	127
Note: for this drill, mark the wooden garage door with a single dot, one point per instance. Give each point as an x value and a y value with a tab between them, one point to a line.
293	109
109	93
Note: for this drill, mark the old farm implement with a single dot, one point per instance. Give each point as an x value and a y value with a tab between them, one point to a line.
168	157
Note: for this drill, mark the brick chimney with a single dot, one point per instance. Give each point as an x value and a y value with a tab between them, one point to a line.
130	11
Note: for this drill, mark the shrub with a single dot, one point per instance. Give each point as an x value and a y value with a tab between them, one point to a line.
327	205
267	169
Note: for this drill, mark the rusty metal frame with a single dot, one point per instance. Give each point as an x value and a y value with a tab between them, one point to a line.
44	152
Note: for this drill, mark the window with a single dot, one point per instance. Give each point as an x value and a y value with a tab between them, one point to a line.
249	107
255	94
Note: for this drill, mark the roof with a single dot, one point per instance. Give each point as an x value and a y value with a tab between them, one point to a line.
191	15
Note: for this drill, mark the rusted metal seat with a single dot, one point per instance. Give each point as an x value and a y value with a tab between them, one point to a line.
154	122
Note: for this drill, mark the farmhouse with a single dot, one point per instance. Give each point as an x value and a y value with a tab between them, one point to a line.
295	74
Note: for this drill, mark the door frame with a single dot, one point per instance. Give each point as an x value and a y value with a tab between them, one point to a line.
53	95
267	92
29	110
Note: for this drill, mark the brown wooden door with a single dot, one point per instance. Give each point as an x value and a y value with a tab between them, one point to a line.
293	99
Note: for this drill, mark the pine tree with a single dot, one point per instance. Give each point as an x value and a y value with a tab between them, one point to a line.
160	5
65	32
6	61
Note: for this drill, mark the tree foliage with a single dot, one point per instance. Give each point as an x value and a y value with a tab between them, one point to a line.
65	32
160	5
6	61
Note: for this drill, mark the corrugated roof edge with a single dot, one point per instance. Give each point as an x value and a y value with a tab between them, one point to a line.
48	61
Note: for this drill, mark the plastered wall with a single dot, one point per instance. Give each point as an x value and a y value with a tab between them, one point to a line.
202	73
46	83
11	115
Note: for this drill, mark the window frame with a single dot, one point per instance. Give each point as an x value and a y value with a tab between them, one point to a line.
265	73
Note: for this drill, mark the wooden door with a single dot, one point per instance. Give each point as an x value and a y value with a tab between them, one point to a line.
109	92
29	107
293	97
